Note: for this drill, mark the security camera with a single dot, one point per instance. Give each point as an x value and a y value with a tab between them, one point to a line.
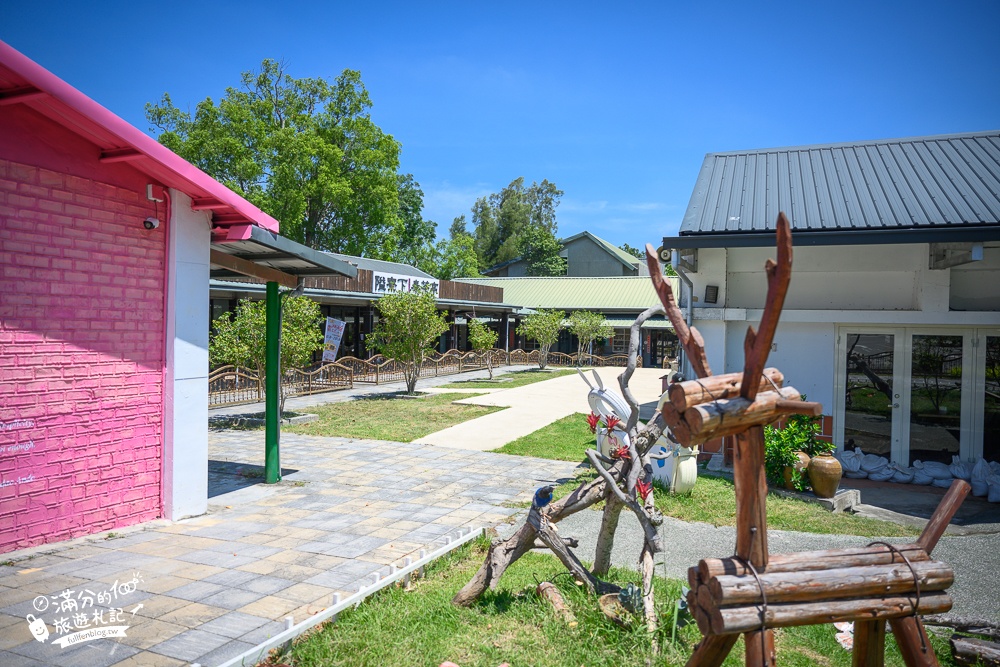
151	223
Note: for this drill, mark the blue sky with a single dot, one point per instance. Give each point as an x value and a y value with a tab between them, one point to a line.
616	103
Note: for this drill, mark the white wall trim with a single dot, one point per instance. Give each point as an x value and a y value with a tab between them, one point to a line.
185	447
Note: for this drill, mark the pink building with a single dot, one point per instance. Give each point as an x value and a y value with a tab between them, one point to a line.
107	240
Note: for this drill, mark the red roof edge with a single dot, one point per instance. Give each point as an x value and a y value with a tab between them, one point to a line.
190	180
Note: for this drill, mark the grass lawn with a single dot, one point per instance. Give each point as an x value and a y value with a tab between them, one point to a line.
398	418
512	624
713	499
564	440
510	380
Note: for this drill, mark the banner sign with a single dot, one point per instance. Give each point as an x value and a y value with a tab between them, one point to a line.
331	340
383	283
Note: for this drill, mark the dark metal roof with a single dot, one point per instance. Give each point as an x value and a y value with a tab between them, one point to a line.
932	184
264	248
381	265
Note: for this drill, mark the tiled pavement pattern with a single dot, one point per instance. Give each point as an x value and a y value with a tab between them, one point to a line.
217	585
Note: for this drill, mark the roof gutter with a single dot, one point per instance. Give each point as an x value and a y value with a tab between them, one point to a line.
806	237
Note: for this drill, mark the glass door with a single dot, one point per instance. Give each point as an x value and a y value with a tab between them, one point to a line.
935	400
987	405
871	399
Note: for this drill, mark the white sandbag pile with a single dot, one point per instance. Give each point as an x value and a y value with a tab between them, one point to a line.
982	475
850	462
980	478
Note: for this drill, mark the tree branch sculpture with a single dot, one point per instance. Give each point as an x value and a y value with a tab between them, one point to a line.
616	484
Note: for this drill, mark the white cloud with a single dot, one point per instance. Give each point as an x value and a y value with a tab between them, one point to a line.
444	202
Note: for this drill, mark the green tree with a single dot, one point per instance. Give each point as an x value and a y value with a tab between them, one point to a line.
451	258
483	339
409	322
635	252
418	235
304	150
587	326
543	327
540	251
501	219
240	340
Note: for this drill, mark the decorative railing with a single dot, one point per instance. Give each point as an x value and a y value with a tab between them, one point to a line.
325	377
230	385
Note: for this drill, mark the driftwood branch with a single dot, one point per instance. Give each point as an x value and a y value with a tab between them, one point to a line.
968	624
548	535
645	520
689	337
633	354
606	537
757	344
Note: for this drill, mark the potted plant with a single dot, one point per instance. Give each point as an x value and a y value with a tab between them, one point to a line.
784	464
824	470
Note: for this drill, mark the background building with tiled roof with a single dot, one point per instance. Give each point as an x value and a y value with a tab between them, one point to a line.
892	320
586	255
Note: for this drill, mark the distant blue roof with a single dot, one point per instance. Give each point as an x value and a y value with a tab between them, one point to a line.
934	183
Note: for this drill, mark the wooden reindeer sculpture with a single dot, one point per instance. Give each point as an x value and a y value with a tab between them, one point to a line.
751	593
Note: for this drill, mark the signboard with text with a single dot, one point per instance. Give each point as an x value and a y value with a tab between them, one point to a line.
383	283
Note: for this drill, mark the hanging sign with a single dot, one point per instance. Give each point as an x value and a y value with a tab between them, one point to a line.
383	283
331	339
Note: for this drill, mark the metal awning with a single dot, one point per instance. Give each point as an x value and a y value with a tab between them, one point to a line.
626	323
249	250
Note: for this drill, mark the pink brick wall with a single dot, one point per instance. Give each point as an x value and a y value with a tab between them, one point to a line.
81	354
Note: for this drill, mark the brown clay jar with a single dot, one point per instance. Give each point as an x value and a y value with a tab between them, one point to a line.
824	475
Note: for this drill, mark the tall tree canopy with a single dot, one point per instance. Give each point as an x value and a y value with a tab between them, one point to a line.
502	219
306	151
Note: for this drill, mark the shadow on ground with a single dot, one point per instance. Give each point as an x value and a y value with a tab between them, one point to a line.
921	501
228	476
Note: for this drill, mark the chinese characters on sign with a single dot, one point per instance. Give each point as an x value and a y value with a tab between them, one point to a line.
383	283
332	338
81	616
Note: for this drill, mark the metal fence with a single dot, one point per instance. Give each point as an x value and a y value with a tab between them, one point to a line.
230	385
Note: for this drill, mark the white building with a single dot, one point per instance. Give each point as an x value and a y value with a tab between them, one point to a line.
892	320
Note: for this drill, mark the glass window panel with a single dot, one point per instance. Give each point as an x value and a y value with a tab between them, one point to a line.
991	401
935	398
868	393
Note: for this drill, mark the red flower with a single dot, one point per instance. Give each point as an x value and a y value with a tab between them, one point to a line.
592	421
612	421
620	452
643	488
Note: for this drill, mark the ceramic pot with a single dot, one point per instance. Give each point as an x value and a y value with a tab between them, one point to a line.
824	475
801	466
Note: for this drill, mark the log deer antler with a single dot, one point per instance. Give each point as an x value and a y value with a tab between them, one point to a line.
690	338
757	344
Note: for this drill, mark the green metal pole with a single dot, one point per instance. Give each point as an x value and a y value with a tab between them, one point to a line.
272	371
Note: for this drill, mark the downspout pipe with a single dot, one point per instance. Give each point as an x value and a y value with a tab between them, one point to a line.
675	261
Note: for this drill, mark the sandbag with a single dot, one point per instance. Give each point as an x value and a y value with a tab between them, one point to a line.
882	474
935	469
979	478
902	474
850	461
994	493
960	469
942	483
920	478
873	462
995	467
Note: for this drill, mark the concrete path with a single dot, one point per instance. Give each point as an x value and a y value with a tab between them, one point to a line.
974	558
536	405
207	589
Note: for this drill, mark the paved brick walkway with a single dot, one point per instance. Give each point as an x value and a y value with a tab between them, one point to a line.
214	586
